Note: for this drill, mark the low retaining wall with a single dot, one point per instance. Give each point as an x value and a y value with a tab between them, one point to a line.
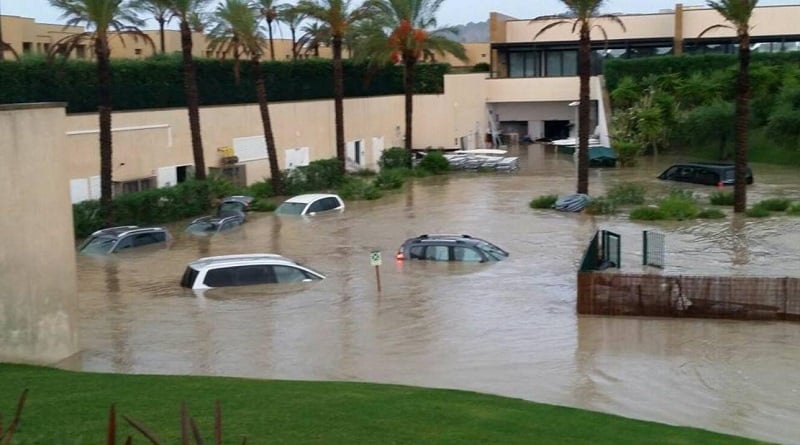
749	298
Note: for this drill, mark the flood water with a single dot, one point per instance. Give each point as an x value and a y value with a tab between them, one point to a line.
508	328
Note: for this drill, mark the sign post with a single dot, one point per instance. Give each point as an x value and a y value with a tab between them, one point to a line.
375	260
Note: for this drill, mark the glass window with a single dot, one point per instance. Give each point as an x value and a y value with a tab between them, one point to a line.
124	243
516	64
290	208
219	277
437	253
316	206
288	274
561	63
189	275
258	274
466	254
417	252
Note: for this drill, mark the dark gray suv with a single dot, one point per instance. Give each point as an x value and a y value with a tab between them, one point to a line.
450	248
116	239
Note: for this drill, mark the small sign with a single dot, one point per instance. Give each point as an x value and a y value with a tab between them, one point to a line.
375	259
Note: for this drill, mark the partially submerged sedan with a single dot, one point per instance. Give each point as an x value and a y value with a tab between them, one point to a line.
245	270
310	204
116	239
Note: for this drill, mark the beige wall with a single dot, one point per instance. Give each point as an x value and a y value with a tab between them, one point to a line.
147	140
766	20
536	89
476	53
38	302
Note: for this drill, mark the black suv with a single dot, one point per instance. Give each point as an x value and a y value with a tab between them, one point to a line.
450	248
115	239
707	173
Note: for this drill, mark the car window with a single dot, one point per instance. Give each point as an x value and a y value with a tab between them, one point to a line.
99	244
671	173
491	250
290	208
288	274
706	176
219	277
229	225
124	243
416	252
437	253
256	274
144	239
466	254
330	203
189	275
316	206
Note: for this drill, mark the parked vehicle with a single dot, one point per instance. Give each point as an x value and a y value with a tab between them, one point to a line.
245	269
116	239
450	248
706	173
310	204
234	205
209	225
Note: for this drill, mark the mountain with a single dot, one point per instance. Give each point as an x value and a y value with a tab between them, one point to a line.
473	32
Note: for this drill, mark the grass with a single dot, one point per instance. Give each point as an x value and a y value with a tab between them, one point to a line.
757	211
70	408
794	210
721	198
711	214
775	204
544	202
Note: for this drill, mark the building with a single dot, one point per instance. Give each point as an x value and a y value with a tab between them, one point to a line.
534	79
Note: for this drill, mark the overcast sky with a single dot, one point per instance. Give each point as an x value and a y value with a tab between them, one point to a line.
452	12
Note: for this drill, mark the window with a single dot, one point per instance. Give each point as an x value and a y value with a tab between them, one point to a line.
27	47
437	253
330	203
417	252
237	174
258	274
124	243
288	274
136	185
561	63
144	239
316	206
219	277
524	64
466	254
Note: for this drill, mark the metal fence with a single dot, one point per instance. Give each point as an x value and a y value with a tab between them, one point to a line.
653	249
752	298
604	251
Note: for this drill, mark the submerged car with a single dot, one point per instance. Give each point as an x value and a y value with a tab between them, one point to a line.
244	270
450	248
310	204
706	173
116	239
234	205
209	225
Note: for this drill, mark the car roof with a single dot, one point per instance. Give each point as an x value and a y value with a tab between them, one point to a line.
311	197
240	259
238	198
445	237
123	230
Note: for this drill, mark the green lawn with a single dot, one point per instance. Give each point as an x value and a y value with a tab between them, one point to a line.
72	408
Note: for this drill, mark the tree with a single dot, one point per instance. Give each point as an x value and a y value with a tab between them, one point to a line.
406	33
188	12
270	11
314	36
338	16
583	14
293	18
103	19
739	13
160	10
235	30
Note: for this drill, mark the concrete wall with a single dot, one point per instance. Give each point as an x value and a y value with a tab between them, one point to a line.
38	302
144	141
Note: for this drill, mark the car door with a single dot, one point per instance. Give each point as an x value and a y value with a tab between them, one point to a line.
315	207
289	274
467	254
437	253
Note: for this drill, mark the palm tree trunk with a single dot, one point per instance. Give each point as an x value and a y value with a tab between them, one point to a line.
294	44
192	101
271	43
338	100
583	109
742	118
408	89
104	91
269	137
161	35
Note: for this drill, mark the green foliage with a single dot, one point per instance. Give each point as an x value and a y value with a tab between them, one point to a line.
757	211
544	202
775	204
628	153
721	198
435	162
626	94
151	83
261	189
601	206
626	193
481	67
320	175
391	179
395	157
87	217
794	209
711	214
353	188
647	214
262	205
679	205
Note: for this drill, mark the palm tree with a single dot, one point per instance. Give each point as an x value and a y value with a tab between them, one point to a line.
160	10
338	16
409	28
101	18
235	30
739	13
292	17
188	12
270	11
582	15
314	36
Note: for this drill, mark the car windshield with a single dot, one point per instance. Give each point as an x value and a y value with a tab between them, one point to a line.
202	226
290	208
492	250
97	244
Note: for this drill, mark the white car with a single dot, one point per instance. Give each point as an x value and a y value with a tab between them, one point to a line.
310	204
244	270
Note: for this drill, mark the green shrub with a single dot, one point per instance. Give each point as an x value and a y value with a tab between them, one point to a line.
262	205
544	202
775	204
757	211
711	214
261	189
794	209
628	153
721	198
395	157
86	217
679	205
647	214
435	162
601	206
627	194
356	188
324	174
391	179
481	67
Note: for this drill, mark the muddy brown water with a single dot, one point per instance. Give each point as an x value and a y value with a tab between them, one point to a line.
508	328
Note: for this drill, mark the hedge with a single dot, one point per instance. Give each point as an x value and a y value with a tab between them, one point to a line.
157	82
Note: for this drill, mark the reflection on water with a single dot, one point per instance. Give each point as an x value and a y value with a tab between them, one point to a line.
507	328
